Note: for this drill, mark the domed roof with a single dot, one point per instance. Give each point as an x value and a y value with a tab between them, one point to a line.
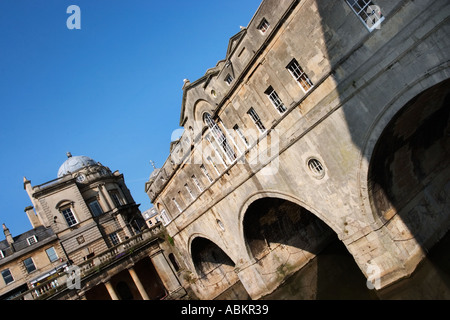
73	164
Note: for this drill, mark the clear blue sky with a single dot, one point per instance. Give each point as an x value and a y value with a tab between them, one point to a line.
110	91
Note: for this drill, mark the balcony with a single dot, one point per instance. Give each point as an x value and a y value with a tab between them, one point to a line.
93	268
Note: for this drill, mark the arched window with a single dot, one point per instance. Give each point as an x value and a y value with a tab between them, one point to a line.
220	137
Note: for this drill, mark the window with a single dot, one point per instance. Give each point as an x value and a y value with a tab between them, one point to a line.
7	276
275	99
177	205
116	198
29	265
69	216
95	208
368	13
165	219
252	113
51	253
197	183
214	165
206	173
189	190
299	75
31	240
2	255
220	137
114	238
263	26
229	79
316	167
241	135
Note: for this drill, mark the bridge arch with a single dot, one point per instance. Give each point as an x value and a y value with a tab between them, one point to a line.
285	238
413	90
404	175
214	269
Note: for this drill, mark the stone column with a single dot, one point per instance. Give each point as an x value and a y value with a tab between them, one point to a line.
111	290
165	272
138	284
103	198
106	195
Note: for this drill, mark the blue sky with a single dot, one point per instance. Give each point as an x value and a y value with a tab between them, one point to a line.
110	91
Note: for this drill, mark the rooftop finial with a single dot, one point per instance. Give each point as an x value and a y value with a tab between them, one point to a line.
69	155
153	164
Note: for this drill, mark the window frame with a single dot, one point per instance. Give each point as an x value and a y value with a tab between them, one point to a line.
27	266
263	26
95	201
228	79
32	240
367	3
55	253
72	217
206	173
256	120
7	282
299	75
197	183
114	238
177	205
275	99
189	190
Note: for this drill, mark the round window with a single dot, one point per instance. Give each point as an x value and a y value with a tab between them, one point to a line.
316	167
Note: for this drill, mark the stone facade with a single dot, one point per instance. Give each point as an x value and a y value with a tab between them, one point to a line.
317	124
98	236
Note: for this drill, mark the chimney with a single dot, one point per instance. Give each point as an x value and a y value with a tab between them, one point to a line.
34	219
8	235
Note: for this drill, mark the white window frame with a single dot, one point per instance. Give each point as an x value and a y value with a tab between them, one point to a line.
197	183
299	75
241	135
189	190
263	26
68	218
220	137
358	10
206	173
32	240
2	255
229	79
256	120
177	205
114	237
48	255
214	165
275	100
165	219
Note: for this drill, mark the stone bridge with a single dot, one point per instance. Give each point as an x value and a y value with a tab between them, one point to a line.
319	125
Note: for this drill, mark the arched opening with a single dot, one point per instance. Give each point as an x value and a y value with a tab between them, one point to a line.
287	241
174	262
215	271
123	290
409	181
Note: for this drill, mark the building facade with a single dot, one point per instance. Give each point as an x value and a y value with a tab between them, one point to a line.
89	241
326	120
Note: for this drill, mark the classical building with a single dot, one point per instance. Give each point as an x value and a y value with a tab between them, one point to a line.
89	241
326	121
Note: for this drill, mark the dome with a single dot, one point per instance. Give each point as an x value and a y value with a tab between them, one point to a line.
73	164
